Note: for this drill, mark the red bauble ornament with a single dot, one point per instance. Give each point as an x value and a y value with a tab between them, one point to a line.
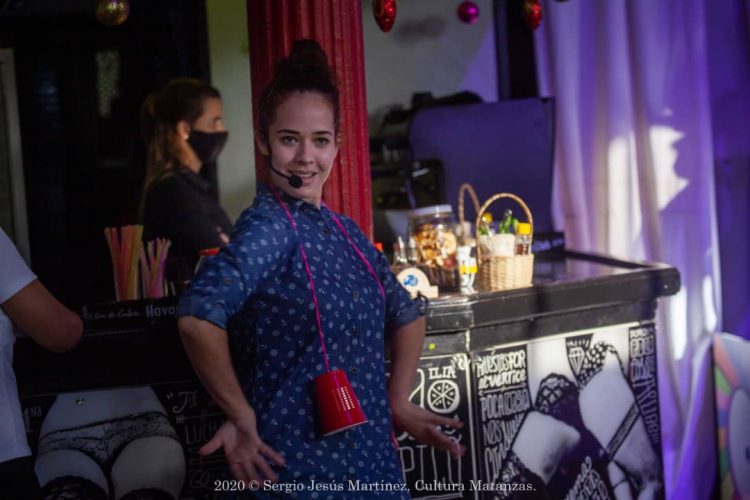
385	13
532	13
468	12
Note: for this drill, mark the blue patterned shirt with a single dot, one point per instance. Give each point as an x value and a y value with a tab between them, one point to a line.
257	289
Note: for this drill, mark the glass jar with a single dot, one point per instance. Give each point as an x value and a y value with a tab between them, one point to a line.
432	228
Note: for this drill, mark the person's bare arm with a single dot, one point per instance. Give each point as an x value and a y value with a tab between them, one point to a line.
422	425
406	348
37	313
207	346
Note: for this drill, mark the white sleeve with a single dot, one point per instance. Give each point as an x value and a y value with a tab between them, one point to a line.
14	273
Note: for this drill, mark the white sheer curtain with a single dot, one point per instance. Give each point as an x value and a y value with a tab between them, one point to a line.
634	178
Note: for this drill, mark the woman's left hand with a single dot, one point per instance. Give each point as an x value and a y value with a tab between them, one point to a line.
424	426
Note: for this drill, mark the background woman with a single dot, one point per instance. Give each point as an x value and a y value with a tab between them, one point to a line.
183	130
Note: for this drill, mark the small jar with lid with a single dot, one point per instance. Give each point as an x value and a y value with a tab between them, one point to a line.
432	228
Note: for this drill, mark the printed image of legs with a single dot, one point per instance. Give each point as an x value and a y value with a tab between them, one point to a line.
620	483
515	472
609	410
543	442
558	397
118	443
148	462
71	474
539	447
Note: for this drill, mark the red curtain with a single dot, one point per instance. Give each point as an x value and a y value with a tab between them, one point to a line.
273	25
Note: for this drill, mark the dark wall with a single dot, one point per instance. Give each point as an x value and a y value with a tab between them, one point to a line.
514	49
80	86
728	41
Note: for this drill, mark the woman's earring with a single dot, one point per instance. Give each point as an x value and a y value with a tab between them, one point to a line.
186	137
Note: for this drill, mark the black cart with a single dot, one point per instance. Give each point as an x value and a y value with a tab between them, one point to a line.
556	384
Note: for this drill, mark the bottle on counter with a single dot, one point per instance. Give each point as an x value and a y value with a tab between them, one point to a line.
523	238
412	254
399	256
509	224
467	265
485	227
399	252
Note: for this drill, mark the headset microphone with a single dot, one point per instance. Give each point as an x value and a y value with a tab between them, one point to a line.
294	180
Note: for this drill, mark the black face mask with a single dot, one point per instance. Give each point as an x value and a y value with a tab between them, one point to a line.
207	145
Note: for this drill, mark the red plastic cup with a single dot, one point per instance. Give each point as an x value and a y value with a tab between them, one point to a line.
338	406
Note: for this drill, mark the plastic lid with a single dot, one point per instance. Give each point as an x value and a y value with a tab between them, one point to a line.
523	228
431	210
206	252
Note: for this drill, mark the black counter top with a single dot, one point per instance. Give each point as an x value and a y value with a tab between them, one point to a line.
573	282
131	343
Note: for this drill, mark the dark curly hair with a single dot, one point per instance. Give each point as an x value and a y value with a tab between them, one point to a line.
305	70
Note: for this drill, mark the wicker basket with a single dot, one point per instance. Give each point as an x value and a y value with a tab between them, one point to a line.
466	188
503	273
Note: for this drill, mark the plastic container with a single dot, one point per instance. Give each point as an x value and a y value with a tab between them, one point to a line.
399	256
467	265
412	254
432	228
399	253
523	239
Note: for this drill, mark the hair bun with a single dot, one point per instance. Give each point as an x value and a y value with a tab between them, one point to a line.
307	57
306	69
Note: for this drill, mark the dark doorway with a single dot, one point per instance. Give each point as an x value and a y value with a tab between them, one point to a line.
80	86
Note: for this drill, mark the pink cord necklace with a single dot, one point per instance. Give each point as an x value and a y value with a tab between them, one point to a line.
309	272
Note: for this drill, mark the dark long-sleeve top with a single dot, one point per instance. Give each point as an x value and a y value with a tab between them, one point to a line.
180	206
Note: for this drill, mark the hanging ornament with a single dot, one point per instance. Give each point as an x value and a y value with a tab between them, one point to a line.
112	12
532	13
468	12
385	13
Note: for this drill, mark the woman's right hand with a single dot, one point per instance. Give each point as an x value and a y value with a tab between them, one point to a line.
247	454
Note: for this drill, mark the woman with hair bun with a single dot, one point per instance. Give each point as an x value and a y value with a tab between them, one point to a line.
294	277
184	132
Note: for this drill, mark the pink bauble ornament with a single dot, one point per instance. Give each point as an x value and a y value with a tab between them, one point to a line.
385	13
468	12
112	12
